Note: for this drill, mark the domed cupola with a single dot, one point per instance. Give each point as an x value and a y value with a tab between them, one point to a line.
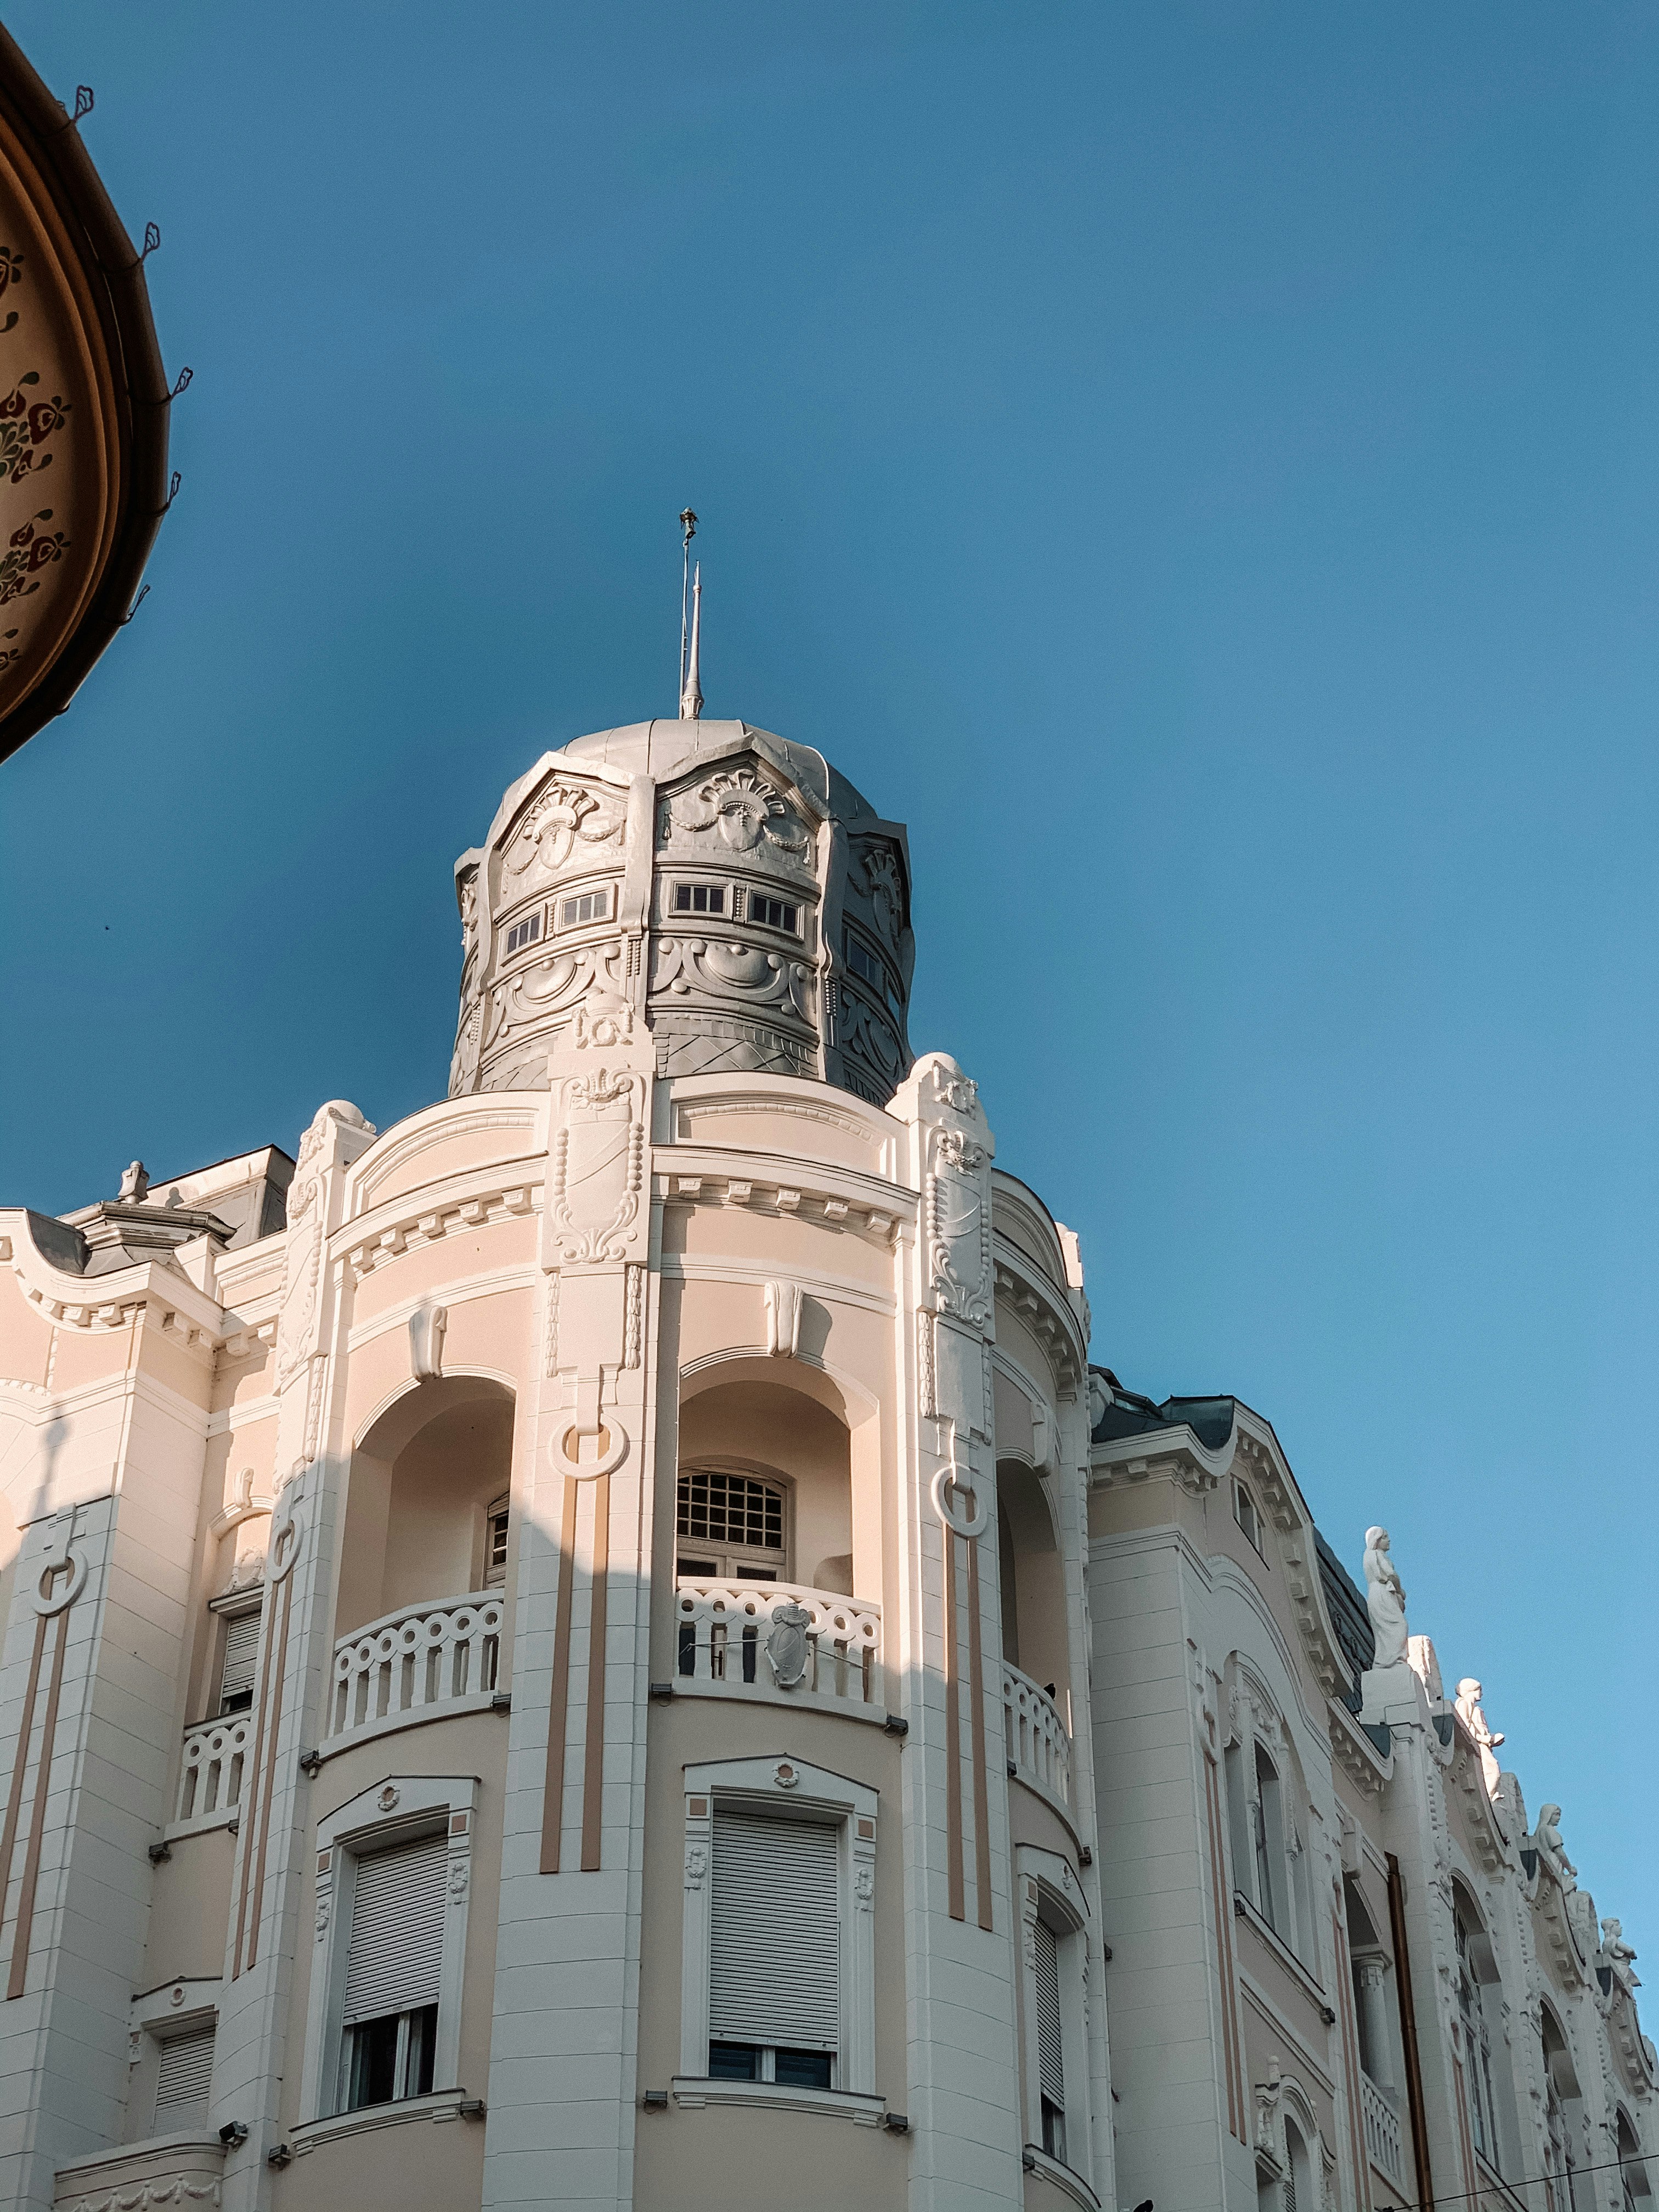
720	885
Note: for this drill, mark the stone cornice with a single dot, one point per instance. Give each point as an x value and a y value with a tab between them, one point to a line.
1276	1488
1164	1455
1358	1757
404	1224
108	1302
1044	1308
1467	1777
841	1200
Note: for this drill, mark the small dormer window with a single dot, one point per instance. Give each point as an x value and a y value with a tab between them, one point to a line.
773	914
700	899
1245	1513
586	906
523	932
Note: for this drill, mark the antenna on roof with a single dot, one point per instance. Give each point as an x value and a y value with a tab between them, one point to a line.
691	637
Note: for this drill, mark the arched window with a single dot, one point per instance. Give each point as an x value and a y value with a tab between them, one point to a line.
732	1525
1632	2169
1474	1954
1298	2171
1272	1895
1560	2114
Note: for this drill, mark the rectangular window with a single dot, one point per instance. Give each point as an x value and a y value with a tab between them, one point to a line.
1050	2059
775	913
241	1656
863	961
495	1526
700	899
586	906
182	2079
775	1950
392	1966
524	932
1245	1514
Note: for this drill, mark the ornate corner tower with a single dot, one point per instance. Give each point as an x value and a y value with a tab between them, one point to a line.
717	885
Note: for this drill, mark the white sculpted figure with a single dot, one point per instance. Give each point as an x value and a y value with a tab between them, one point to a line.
1385	1600
1549	1840
1487	1740
1613	1944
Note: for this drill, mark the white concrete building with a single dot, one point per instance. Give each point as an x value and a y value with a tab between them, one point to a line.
605	1645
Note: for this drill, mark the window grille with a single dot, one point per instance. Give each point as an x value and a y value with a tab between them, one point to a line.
241	1656
524	932
715	1508
183	2081
775	913
586	906
774	1934
700	899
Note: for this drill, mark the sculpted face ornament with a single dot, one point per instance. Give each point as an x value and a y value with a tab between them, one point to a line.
745	811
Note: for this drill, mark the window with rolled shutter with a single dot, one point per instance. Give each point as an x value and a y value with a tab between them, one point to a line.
775	1931
241	1656
396	1954
1050	2065
182	2079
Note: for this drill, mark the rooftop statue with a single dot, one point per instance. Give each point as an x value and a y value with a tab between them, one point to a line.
1548	1838
1487	1740
1385	1600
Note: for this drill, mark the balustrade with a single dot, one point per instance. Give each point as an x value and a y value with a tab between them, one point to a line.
1382	2128
752	1637
1039	1745
415	1663
210	1775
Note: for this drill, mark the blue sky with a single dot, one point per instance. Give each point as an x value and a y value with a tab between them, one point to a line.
1198	464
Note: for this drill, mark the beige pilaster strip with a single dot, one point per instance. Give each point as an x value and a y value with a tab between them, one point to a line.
1223	1938
257	1894
20	1763
594	1747
553	1787
952	1734
20	1942
976	1697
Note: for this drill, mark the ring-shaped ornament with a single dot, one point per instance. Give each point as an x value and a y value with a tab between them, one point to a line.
949	1479
588	1470
45	1606
292	1529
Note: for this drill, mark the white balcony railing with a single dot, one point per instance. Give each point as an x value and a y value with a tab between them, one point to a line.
1039	1747
1382	2128
411	1665
750	1638
210	1776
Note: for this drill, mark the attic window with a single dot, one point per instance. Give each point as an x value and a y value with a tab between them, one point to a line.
700	899
774	913
586	906
524	932
1245	1513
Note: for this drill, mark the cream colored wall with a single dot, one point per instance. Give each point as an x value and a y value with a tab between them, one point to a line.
409	2167
414	1524
1039	1593
189	1910
726	2156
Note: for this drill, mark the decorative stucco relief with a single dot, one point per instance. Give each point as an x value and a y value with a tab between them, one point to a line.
565	821
598	1166
738	809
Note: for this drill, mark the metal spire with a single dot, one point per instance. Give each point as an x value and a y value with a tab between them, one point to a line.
691	638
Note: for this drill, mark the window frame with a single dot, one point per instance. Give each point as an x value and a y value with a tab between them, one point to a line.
1047	1889
234	1606
781	1789
536	916
419	1804
675	913
1244	1499
179	2007
738	1563
498	1508
1468	1931
604	893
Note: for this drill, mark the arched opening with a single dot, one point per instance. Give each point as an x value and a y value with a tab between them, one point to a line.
1632	2169
1477	1973
1563	2114
765	1488
426	1515
1299	2171
777	1549
1033	1584
1370	1967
